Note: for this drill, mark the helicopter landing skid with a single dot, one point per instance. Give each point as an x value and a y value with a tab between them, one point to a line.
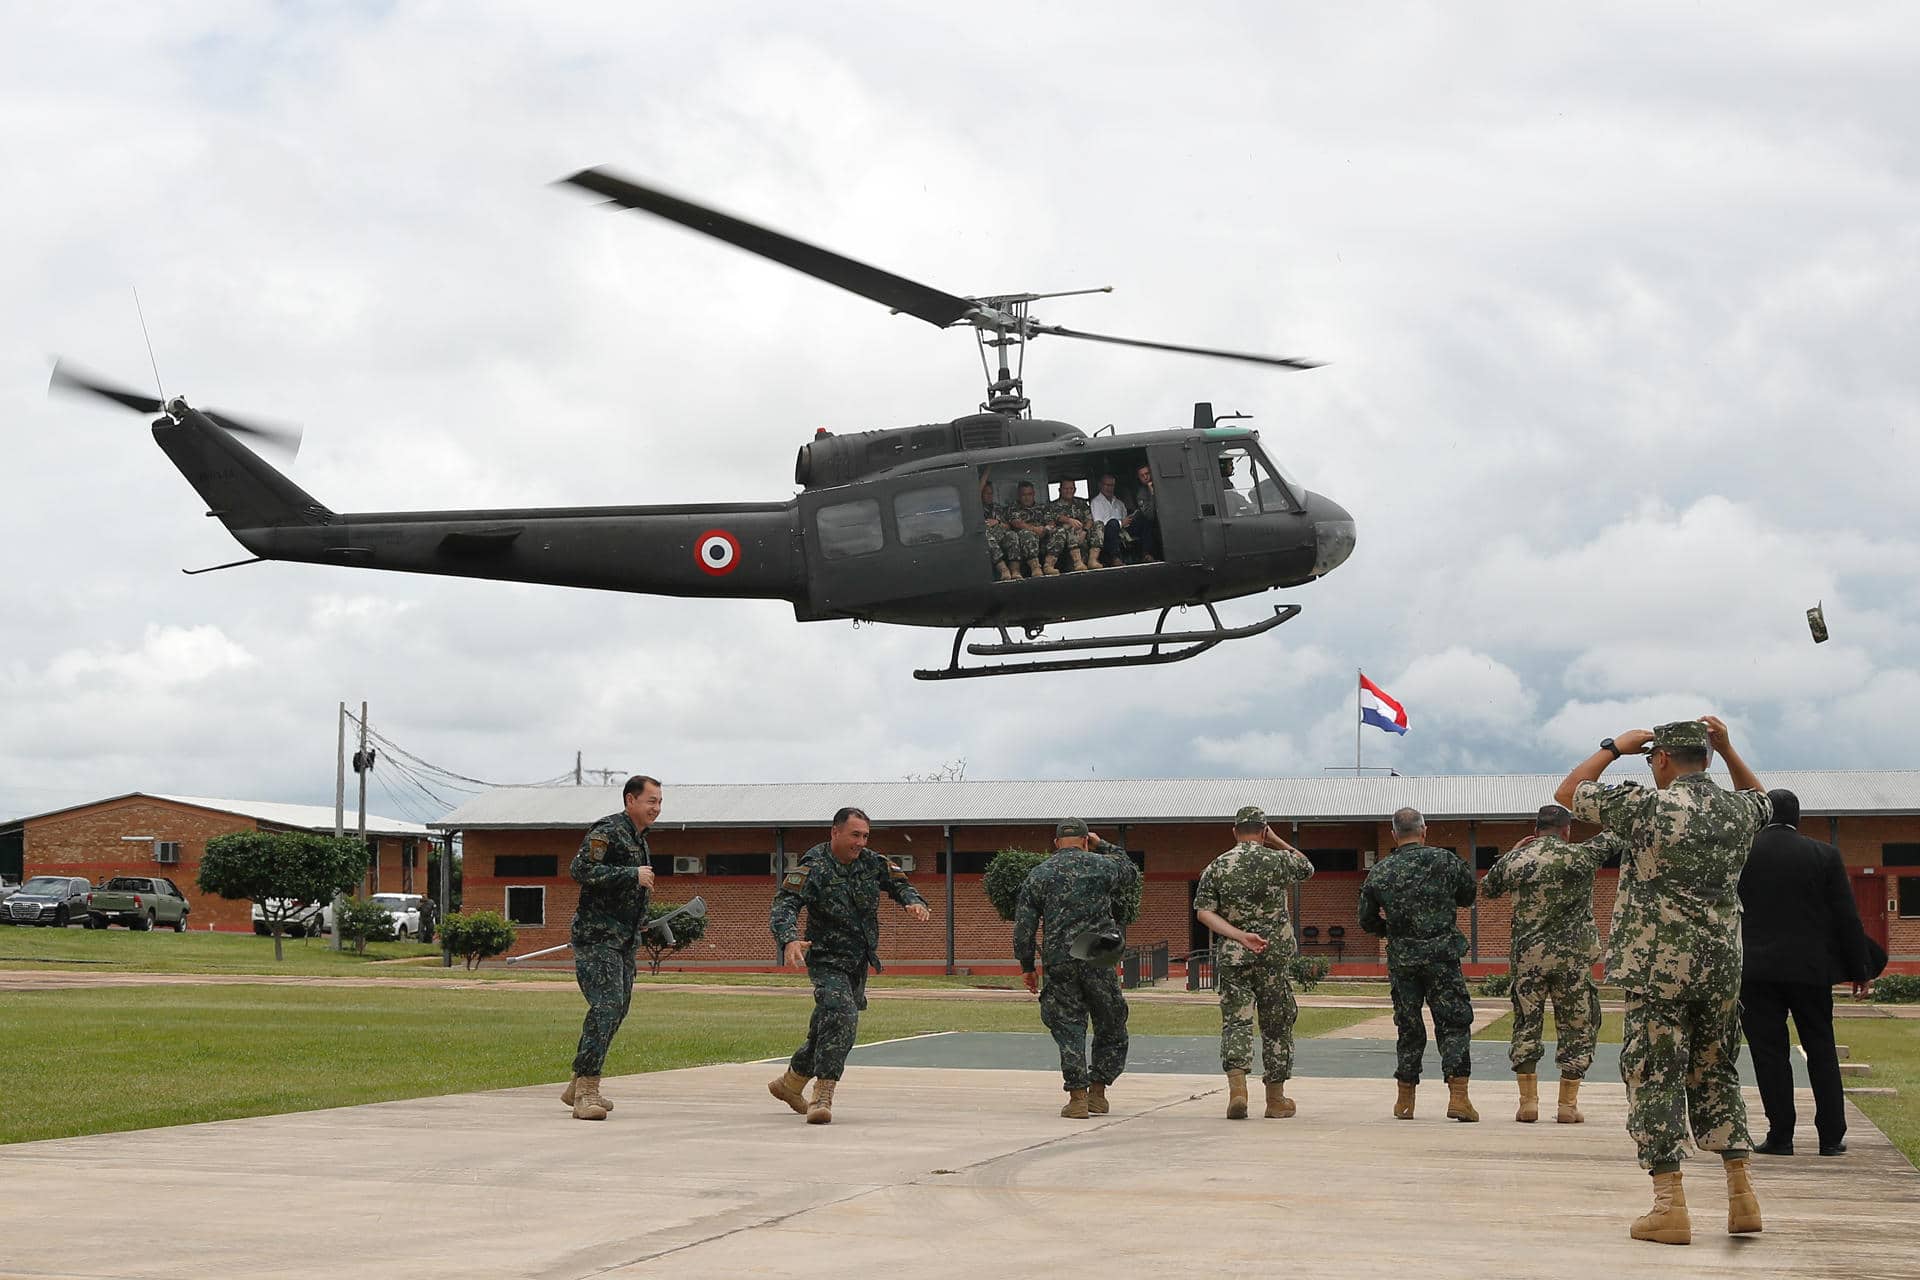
1161	646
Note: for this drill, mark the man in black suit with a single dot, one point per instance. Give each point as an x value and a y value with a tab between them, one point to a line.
1802	934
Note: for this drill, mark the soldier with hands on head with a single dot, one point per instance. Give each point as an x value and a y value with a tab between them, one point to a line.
614	870
1675	948
839	884
1410	898
1070	899
1551	957
1242	899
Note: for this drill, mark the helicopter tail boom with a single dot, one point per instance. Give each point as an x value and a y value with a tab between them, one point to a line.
241	489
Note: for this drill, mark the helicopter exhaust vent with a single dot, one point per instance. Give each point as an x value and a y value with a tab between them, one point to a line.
987	431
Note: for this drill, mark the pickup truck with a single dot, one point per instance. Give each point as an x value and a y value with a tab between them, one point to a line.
139	902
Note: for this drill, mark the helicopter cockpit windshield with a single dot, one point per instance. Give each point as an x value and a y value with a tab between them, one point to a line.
1252	485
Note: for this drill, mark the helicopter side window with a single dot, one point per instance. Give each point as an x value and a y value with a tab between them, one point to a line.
929	515
849	529
1248	487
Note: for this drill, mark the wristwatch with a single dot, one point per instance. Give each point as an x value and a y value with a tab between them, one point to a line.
1606	744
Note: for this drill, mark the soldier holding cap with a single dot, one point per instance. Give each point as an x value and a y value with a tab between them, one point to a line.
1551	957
1675	948
1074	894
1242	898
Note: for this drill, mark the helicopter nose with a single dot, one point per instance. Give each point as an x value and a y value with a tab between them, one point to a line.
1333	534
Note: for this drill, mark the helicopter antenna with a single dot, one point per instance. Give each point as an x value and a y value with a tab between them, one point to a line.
139	311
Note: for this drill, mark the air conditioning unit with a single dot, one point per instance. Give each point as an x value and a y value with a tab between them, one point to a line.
685	866
904	861
167	851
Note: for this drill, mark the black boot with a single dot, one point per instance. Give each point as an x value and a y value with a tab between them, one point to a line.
1774	1146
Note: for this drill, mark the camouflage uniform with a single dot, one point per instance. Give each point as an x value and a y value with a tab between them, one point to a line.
606	930
843	924
1554	947
1060	535
1027	540
1247	887
1409	898
1675	947
1072	892
1003	543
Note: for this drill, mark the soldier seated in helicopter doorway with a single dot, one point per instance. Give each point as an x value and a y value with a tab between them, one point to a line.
1146	520
1003	543
1026	519
1072	532
1112	523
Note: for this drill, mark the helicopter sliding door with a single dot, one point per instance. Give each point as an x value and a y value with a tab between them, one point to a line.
901	538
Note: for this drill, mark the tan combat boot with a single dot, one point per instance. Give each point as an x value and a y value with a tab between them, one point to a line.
1236	1095
1570	1102
568	1094
587	1103
1096	1099
821	1112
1459	1106
1403	1104
1093	558
1743	1207
1667	1222
1049	568
1006	573
1079	564
790	1088
1279	1105
1530	1096
1033	569
1076	1108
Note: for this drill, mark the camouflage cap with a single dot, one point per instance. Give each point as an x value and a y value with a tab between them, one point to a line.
1681	735
1249	815
1070	827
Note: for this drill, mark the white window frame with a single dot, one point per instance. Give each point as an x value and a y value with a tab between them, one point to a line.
506	906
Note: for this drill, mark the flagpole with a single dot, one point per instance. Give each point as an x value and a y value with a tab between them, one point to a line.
1357	713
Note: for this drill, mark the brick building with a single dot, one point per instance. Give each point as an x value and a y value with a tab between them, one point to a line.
727	842
140	834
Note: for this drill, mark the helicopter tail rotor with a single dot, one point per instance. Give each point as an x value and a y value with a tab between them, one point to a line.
69	378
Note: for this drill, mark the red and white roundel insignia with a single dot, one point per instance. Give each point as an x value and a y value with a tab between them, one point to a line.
717	551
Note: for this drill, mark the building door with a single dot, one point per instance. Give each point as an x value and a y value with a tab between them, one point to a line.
1870	894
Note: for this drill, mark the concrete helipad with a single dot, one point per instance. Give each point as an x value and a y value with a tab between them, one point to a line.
926	1171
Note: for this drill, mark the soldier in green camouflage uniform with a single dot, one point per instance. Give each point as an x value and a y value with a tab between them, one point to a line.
839	883
1071	521
1410	898
1675	947
1242	899
614	870
1026	522
1003	544
1552	954
1073	893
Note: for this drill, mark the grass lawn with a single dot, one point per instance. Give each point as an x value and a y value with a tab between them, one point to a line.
163	951
100	1061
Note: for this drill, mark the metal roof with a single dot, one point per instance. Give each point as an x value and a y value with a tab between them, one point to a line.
305	817
811	804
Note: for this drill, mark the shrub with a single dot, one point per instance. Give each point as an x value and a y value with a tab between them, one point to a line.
1307	971
1497	984
1009	869
1896	988
363	922
686	930
477	935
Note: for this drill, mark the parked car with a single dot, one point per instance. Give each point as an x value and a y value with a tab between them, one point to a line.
7	888
304	919
54	900
405	910
138	902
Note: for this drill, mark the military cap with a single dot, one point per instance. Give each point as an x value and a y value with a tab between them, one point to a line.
1250	814
1071	827
1681	735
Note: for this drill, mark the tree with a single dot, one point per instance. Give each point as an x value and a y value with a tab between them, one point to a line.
280	872
1008	870
686	929
363	922
476	935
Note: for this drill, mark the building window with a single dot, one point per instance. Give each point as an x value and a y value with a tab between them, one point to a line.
1900	855
527	904
1333	859
1910	897
1484	856
849	529
739	864
526	864
928	515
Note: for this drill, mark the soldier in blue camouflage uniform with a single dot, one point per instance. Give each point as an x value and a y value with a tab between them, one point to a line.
1003	544
1410	898
1071	521
1242	898
1073	893
1026	521
839	883
1552	953
1675	947
615	873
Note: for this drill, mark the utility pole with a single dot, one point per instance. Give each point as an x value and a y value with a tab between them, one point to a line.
339	809
446	897
577	780
363	762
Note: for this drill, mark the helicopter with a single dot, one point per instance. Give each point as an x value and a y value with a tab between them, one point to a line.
888	525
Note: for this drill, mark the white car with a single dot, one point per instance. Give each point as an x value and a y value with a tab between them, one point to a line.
308	919
403	907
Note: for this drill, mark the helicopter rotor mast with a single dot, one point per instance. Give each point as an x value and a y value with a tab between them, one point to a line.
1001	321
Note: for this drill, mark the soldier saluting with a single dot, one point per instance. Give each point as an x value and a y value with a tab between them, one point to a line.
839	883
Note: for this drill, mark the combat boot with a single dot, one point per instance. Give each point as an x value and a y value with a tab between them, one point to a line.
790	1088
1079	564
1570	1102
1033	569
1667	1222
1236	1095
1049	568
568	1094
1076	1108
1459	1106
1530	1096
821	1112
1096	1099
587	1103
1403	1104
1006	573
1279	1105
1093	558
1743	1207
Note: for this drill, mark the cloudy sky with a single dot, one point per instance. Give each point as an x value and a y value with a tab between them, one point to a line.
1620	315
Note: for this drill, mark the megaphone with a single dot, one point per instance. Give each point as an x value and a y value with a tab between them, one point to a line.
1103	946
697	909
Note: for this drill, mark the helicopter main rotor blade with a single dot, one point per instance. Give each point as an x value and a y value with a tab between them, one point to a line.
67	378
1283	362
889	290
